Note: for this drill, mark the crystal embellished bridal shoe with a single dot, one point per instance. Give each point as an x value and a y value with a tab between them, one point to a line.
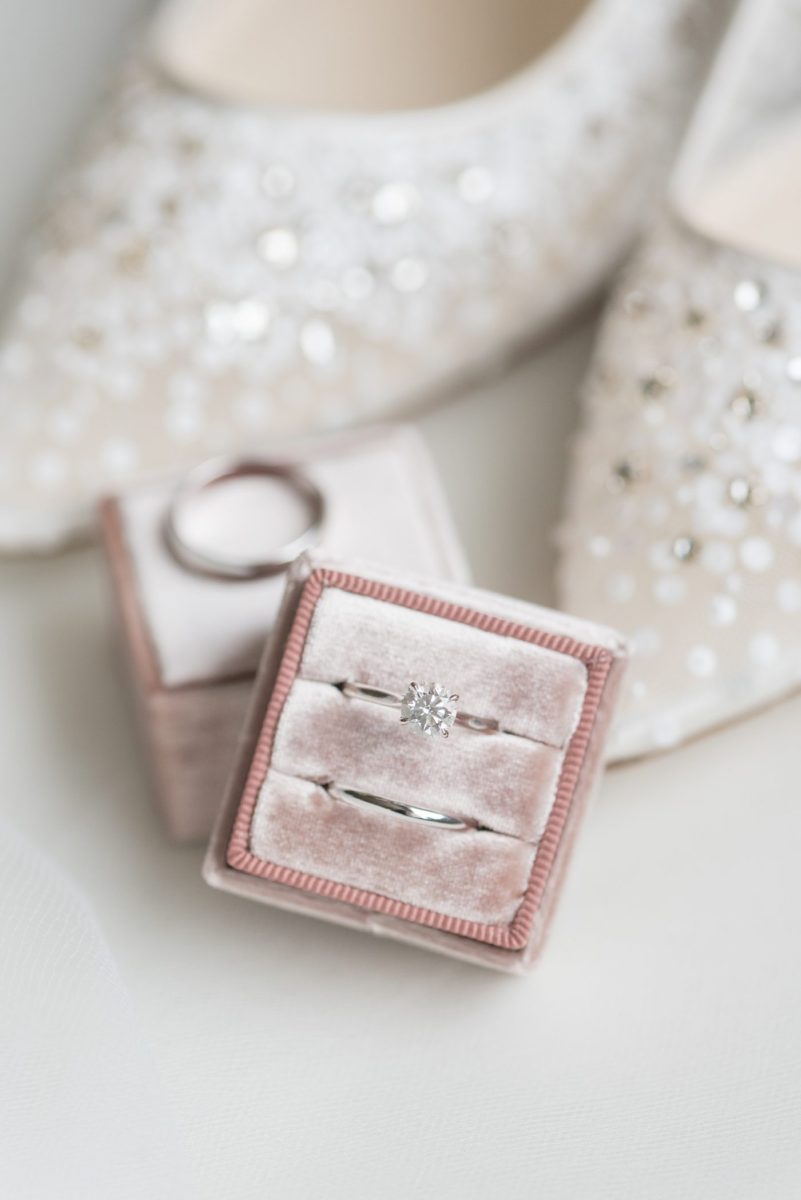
294	216
683	523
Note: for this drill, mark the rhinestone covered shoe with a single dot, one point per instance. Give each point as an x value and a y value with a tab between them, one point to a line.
213	273
683	518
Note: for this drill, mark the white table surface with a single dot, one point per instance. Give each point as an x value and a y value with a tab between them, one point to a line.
654	1053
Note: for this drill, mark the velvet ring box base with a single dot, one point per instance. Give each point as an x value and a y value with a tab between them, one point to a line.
483	892
193	643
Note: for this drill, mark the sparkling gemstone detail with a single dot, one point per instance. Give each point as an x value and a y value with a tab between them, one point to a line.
684	547
793	369
741	491
318	342
429	709
623	475
393	203
744	404
243	320
748	295
279	247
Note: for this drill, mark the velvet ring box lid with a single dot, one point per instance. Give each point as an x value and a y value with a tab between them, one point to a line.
193	643
482	892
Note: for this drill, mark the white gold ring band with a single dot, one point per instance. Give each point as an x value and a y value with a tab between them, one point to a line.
428	816
193	555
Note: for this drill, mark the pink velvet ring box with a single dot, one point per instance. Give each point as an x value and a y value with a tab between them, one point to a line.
194	643
483	892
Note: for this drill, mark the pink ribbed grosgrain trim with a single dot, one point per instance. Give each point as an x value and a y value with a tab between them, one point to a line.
512	936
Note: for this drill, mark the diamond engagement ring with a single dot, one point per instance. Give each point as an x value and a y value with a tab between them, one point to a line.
428	816
204	558
430	709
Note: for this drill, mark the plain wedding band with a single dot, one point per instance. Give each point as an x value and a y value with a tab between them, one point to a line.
428	816
211	474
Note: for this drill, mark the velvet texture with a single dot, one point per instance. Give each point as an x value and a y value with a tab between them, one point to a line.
531	691
505	781
481	776
346	852
194	643
472	874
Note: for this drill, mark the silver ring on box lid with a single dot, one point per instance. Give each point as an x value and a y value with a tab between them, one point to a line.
192	554
430	709
427	816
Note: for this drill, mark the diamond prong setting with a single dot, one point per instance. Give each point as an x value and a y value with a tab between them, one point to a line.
430	709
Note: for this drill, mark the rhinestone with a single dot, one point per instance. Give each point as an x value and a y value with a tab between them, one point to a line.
763	649
684	547
242	320
702	662
792	369
694	318
788	596
748	295
393	203
279	247
475	185
409	274
429	710
318	343
624	474
744	404
756	554
278	181
740	491
722	610
655	384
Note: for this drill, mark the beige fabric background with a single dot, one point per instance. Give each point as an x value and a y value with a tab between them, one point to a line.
655	1053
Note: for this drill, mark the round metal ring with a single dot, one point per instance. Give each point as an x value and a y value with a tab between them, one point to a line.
428	816
195	557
